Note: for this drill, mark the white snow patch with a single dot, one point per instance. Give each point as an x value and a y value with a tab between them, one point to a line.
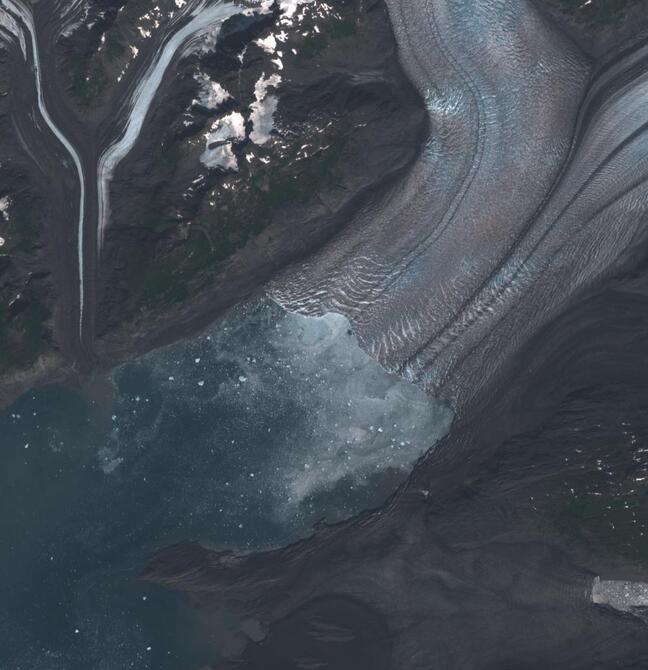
212	94
222	132
268	44
221	156
230	127
289	7
263	109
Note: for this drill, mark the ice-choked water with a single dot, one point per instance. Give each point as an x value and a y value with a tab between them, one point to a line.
241	437
289	419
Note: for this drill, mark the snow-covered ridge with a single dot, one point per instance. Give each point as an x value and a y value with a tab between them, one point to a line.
261	112
263	109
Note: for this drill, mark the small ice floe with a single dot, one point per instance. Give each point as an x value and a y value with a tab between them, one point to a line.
212	94
263	109
2	241
108	460
218	151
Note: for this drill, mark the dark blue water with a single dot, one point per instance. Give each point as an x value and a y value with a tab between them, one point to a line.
242	437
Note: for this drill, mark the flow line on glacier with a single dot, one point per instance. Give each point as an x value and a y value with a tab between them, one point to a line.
15	9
